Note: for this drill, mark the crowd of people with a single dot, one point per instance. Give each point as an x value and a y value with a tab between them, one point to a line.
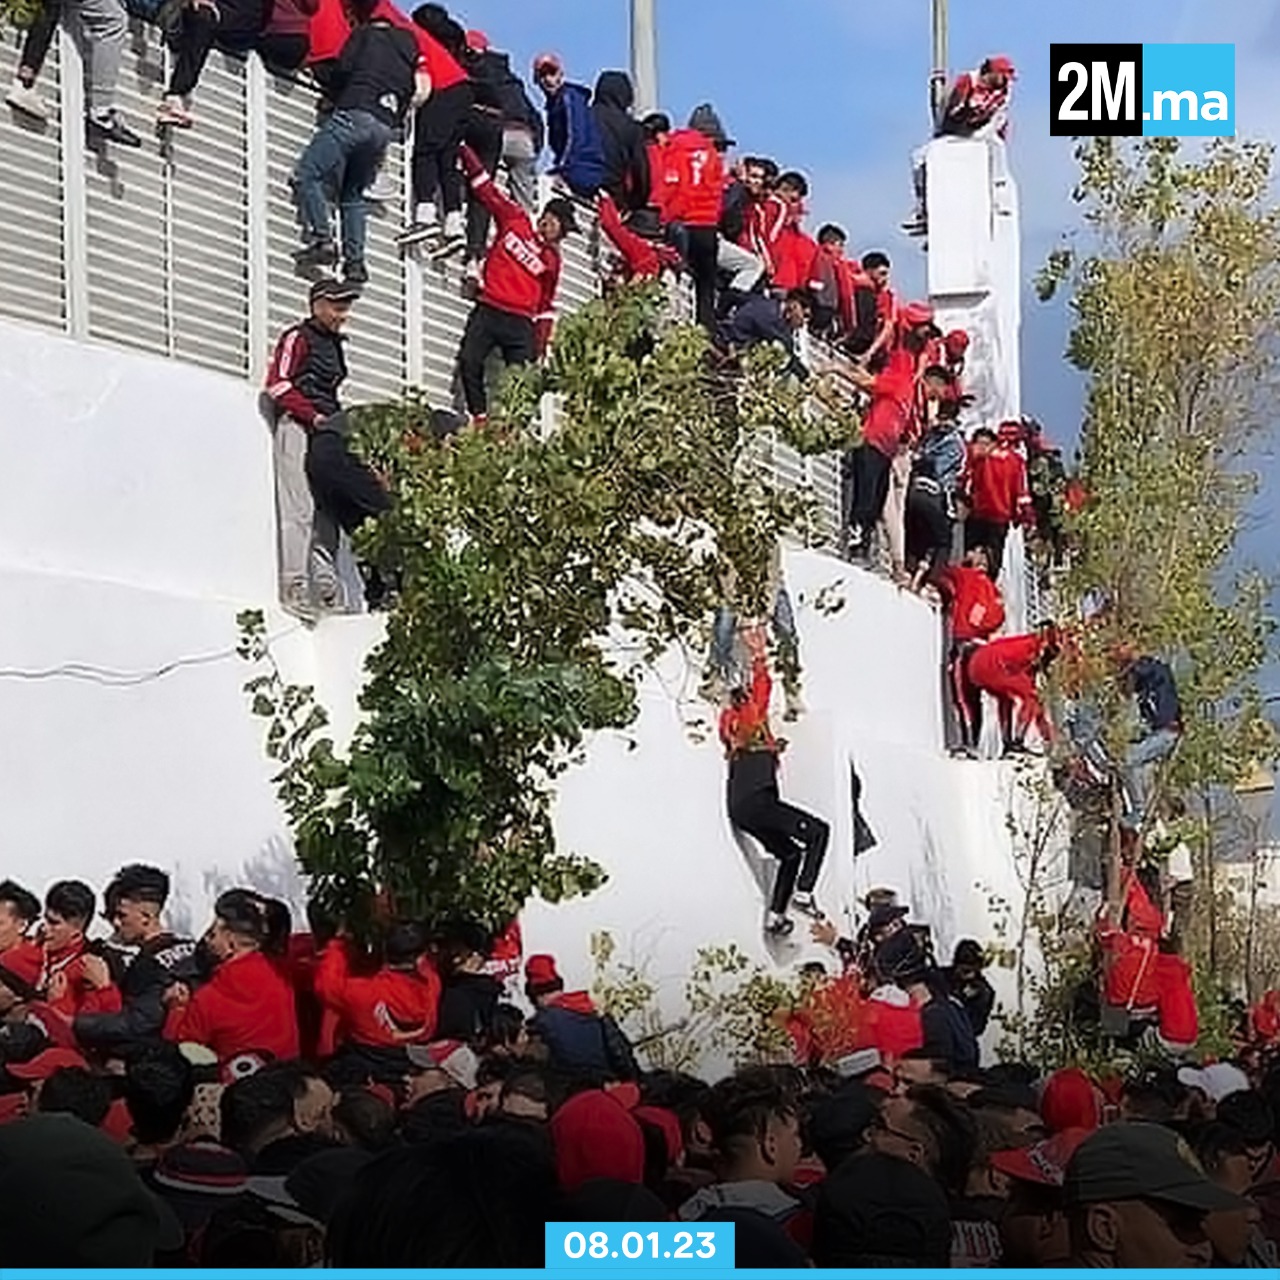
268	1098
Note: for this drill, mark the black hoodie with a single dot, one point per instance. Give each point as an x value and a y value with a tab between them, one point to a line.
498	85
625	153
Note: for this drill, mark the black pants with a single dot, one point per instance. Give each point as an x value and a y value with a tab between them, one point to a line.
39	39
438	131
282	54
345	490
966	695
701	252
989	534
797	839
489	330
928	530
199	29
864	472
484	137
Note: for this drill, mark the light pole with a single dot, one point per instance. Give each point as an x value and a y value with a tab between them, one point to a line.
938	76
644	55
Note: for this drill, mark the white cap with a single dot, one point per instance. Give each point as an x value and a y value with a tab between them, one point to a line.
1216	1081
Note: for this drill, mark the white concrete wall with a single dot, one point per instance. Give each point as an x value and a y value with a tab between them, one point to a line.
136	520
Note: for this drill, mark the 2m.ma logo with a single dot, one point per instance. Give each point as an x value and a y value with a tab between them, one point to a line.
1133	90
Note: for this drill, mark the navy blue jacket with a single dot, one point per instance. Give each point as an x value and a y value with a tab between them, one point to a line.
587	1042
1157	694
576	144
759	319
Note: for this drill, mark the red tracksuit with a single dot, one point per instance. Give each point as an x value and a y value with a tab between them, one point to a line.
1176	1000
794	253
694	179
977	611
889	419
997	488
24	960
1006	669
522	271
644	259
765	222
79	996
1128	970
390	1008
246	1006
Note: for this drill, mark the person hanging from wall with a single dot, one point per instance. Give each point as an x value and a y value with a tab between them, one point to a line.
642	257
1007	669
798	840
1155	692
379	76
104	29
516	308
975	611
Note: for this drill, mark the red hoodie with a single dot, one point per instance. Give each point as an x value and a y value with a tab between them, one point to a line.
794	254
888	420
392	1007
1128	969
997	486
246	1006
976	608
522	271
893	1029
694	179
24	960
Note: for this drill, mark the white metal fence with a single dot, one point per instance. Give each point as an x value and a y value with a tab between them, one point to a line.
184	247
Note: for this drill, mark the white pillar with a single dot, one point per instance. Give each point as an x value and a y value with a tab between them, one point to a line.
644	55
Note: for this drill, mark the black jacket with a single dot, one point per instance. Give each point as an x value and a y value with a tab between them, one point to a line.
977	999
626	155
466	1006
586	1042
1156	692
498	86
157	966
948	1034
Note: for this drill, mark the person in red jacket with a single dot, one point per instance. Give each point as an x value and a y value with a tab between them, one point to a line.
247	1006
642	259
1130	991
1007	670
996	490
394	1007
976	612
798	840
516	307
20	955
73	979
1178	1017
794	250
878	270
695	183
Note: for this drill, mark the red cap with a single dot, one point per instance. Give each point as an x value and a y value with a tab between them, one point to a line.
596	1137
956	342
916	313
1070	1101
668	1123
1002	65
241	1067
477	42
541	971
549	60
1045	1164
43	1065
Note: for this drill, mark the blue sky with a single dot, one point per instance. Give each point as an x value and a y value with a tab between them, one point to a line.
838	89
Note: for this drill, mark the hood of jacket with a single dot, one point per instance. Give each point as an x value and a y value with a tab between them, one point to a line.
614	89
573	1002
764	1197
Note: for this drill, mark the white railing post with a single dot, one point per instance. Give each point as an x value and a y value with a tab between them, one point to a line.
75	222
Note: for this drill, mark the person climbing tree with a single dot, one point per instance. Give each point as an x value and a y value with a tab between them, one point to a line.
797	839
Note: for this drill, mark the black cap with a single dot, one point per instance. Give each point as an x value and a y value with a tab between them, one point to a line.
334	290
1132	1160
563	211
884	914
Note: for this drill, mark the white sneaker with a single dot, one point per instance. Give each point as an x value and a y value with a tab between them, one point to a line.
778	926
454	237
24	98
173	112
807	905
382	190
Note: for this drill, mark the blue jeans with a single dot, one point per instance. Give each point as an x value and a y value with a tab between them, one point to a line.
724	632
338	164
1142	757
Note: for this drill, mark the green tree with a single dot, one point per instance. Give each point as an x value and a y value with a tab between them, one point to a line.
541	566
1175	305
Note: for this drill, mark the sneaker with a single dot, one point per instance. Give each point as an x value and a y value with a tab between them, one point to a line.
807	905
916	225
24	98
454	235
295	600
382	190
777	926
172	112
417	232
320	253
109	128
1015	750
964	753
355	272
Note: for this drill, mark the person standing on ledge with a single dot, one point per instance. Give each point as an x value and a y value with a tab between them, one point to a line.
798	840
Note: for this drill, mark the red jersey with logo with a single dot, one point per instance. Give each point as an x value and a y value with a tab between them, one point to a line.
997	486
694	179
977	611
389	1008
